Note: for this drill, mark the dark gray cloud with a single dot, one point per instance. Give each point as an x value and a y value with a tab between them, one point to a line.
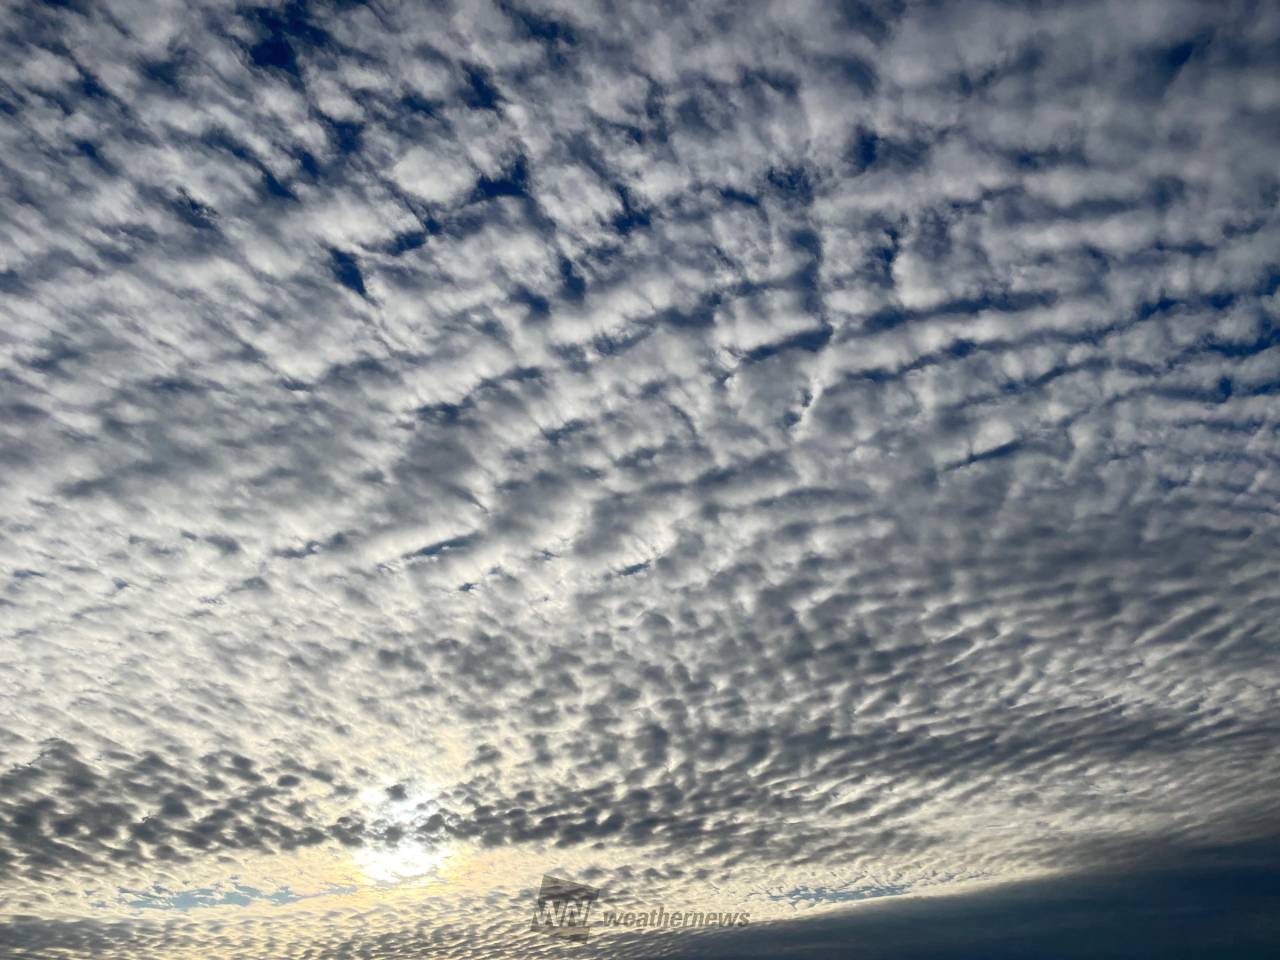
769	457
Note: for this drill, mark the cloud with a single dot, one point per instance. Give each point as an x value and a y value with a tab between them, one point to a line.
703	453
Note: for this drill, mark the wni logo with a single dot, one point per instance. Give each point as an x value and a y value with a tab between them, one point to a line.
563	908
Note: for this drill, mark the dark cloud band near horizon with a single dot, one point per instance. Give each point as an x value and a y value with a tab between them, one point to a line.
770	456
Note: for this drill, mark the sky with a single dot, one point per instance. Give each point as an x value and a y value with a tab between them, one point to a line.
811	460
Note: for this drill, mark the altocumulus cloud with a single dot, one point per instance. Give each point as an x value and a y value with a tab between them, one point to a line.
758	456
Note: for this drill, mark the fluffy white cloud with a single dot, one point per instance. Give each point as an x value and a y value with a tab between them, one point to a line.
718	456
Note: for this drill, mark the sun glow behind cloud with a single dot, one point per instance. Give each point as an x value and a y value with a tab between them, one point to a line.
399	855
